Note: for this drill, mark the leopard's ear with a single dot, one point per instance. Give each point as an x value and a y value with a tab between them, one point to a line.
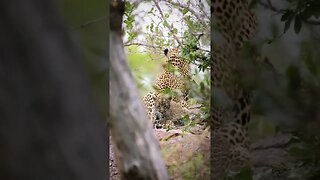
166	52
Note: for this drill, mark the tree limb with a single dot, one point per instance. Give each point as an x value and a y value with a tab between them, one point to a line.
313	22
189	9
89	23
270	6
164	19
154	46
142	44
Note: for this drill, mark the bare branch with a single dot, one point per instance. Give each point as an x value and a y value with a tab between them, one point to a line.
189	9
142	44
201	49
164	19
313	22
153	46
270	6
89	23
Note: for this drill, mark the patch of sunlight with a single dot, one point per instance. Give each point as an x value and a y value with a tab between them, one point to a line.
145	67
146	80
199	76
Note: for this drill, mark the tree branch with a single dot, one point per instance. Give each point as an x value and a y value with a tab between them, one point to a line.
142	44
313	22
270	6
201	49
89	23
189	9
154	46
164	19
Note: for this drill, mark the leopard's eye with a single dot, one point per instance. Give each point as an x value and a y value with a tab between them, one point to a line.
166	52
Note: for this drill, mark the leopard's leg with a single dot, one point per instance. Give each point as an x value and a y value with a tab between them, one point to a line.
239	158
149	102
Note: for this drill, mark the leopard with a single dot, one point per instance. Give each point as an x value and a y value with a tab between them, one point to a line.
236	21
149	101
237	24
177	61
174	77
171	111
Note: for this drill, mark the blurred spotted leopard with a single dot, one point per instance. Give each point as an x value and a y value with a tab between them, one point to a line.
236	22
170	112
230	144
174	77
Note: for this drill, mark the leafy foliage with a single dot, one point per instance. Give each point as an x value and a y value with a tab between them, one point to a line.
129	20
297	11
301	12
191	52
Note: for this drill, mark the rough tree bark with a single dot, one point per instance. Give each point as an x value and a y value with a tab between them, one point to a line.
137	149
49	126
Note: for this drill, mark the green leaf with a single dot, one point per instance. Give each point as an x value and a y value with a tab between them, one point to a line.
201	86
151	10
128	6
297	24
175	30
165	23
184	11
288	15
306	14
167	91
287	26
151	27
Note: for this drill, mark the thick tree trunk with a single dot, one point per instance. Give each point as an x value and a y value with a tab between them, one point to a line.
49	126
138	150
